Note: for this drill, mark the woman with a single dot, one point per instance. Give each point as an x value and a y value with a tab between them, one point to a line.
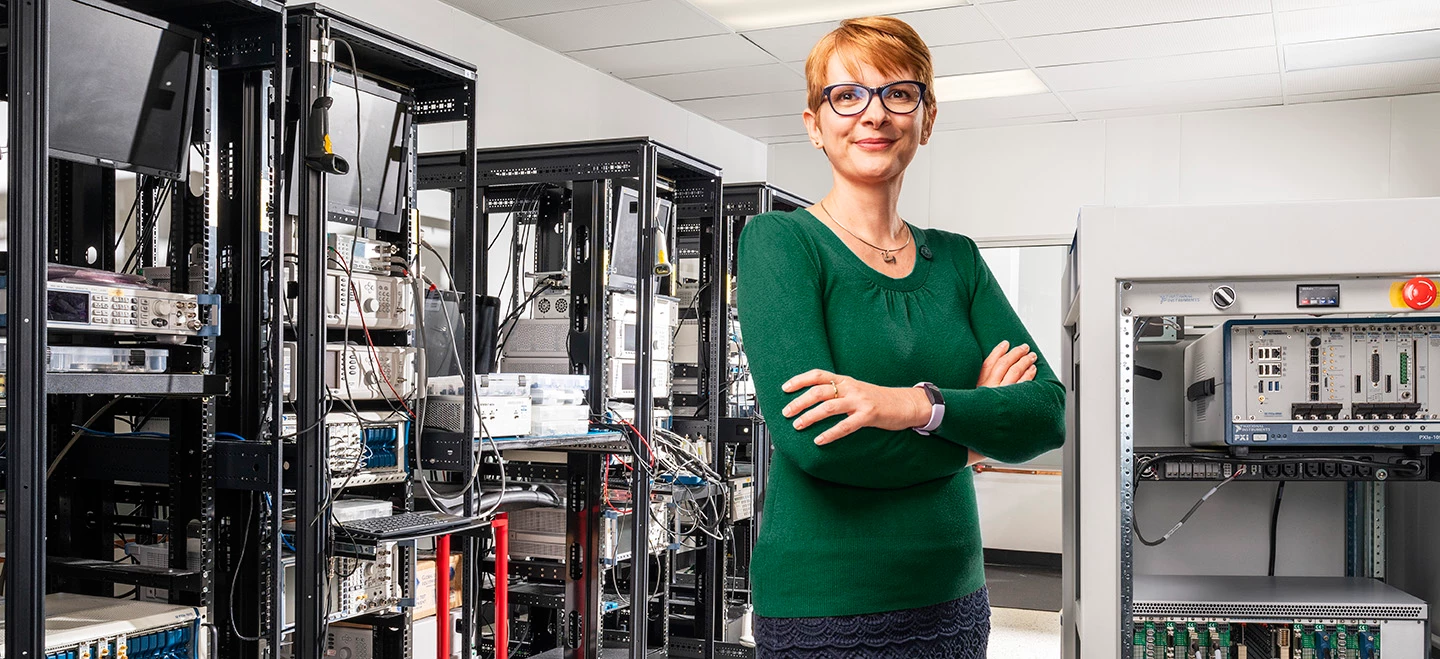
871	542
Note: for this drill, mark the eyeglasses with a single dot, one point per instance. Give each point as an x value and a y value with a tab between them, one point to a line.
848	99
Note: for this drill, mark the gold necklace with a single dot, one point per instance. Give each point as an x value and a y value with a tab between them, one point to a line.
884	253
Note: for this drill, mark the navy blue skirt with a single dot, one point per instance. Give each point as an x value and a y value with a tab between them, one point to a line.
958	629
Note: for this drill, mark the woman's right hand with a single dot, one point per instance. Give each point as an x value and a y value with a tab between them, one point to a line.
1004	367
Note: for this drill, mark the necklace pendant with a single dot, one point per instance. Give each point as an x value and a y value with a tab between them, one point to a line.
889	258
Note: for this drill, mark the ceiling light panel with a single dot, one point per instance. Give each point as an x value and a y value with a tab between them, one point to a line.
1148	41
725	82
721	51
1027	18
988	85
752	105
1191	66
617	25
1345	21
1363	50
499	10
742	15
975	58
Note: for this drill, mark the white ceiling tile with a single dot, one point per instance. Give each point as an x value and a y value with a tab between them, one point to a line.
745	107
1361	93
790	124
1364	76
725	82
721	51
791	44
980	57
942	27
1173	93
499	10
1182	108
1362	50
784	139
1295	5
1345	21
983	109
1009	121
1191	66
1148	41
1027	18
639	22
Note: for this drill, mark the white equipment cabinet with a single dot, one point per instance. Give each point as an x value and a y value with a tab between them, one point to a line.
1206	265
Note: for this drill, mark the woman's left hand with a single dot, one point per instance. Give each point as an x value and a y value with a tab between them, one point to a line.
866	405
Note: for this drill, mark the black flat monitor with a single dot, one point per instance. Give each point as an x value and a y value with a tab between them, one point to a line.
382	161
122	88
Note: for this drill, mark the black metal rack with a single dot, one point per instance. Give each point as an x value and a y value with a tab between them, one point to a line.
60	529
742	202
584	171
444	91
733	427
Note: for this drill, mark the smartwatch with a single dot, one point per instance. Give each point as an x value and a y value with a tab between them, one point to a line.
937	408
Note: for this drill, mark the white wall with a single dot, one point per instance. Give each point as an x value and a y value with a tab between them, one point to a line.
997	184
1026	184
529	94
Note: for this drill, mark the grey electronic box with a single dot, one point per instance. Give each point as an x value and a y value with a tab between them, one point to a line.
1333	381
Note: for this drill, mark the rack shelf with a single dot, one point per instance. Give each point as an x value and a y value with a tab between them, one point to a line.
159	384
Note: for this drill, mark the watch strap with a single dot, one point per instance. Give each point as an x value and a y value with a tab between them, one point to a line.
937	408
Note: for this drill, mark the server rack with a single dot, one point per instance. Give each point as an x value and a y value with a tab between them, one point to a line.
1129	264
173	483
741	431
742	202
444	91
585	169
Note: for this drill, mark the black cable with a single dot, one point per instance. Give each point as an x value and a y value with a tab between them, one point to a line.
1135	519
235	577
1275	523
120	235
145	228
359	124
515	316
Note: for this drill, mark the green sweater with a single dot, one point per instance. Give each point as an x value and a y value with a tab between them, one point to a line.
879	520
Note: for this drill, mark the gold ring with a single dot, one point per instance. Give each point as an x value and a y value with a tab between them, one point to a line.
836	388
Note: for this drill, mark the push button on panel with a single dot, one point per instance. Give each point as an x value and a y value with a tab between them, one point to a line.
1418	293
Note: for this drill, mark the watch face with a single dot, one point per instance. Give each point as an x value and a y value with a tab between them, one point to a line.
933	393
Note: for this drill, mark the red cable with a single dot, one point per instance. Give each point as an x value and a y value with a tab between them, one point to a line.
644	441
374	356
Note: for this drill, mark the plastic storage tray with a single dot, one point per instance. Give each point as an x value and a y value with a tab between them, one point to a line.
559	419
82	359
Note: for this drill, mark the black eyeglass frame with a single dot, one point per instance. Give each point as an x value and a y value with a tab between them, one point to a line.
874	92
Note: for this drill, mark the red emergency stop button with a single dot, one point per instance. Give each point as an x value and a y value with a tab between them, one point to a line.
1418	293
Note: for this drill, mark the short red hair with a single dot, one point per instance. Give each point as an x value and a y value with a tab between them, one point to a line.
886	43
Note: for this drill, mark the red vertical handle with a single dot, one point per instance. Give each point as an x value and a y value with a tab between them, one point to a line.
442	597
501	524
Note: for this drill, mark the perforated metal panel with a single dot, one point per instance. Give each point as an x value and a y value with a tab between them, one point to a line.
1279	611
